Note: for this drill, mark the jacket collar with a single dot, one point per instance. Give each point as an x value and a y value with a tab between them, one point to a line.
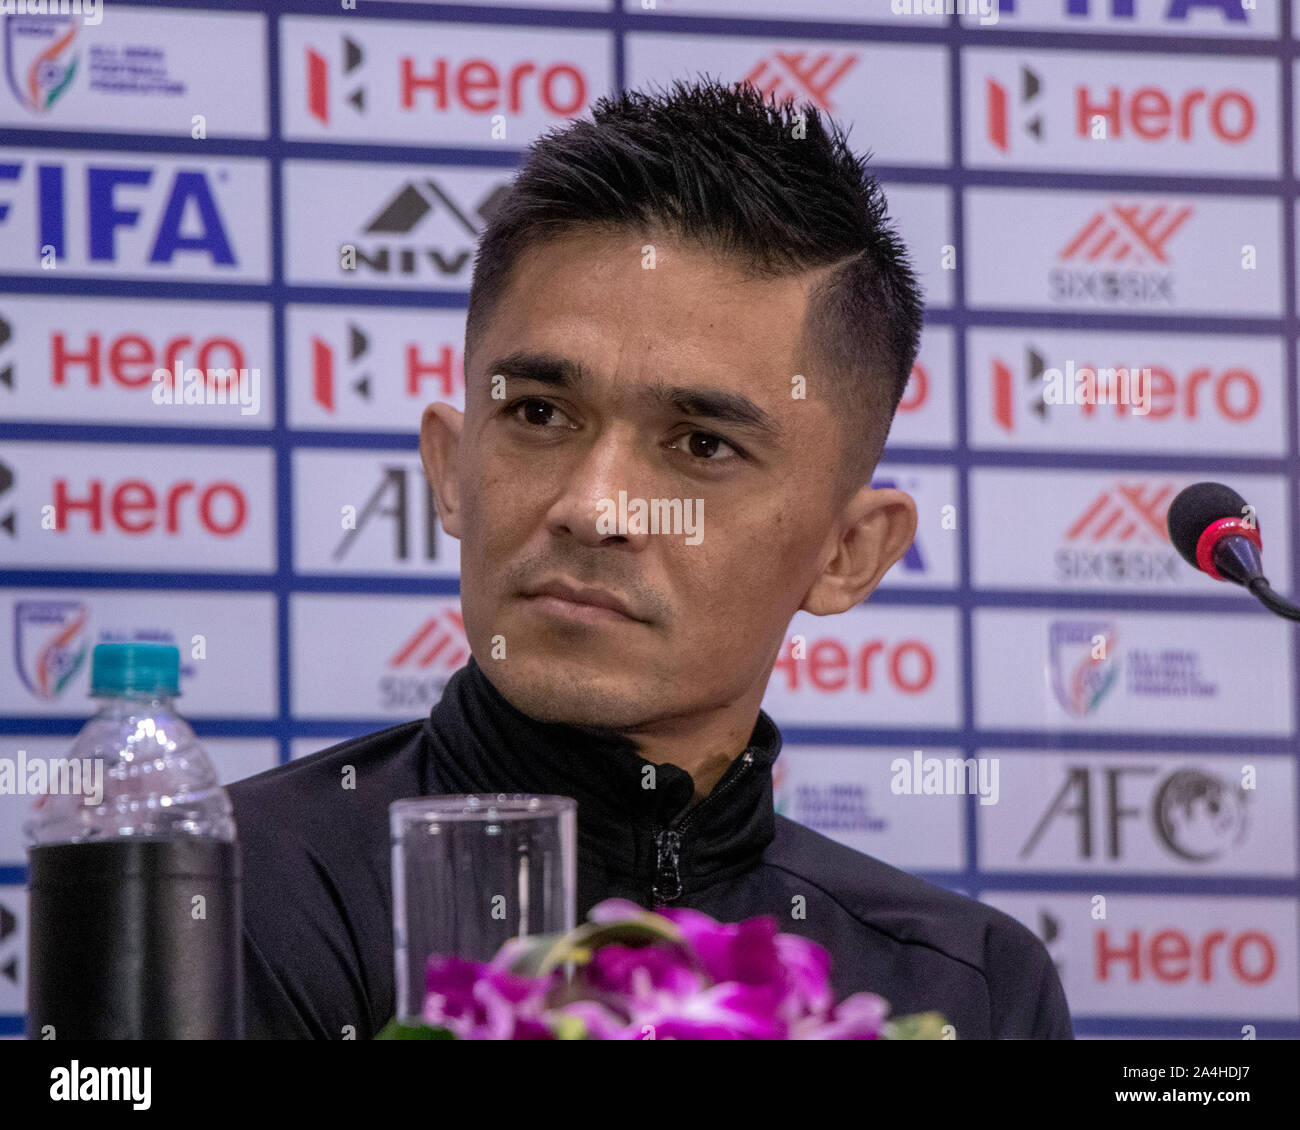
476	741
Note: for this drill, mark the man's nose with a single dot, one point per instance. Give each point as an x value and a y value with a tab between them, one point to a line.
589	504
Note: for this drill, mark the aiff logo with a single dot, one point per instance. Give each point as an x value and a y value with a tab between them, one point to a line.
40	62
1083	666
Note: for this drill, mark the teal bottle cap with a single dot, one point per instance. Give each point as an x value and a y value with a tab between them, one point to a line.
135	668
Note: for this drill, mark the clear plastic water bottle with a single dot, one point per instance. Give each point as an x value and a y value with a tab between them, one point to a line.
134	902
158	782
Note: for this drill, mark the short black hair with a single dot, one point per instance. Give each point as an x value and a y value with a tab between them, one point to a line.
773	188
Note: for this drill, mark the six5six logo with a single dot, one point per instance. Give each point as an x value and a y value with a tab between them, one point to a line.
1147	253
1119	254
1102	530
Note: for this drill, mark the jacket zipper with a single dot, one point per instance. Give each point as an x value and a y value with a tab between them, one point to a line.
668	841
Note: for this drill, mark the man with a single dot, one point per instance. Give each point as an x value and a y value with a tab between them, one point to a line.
696	297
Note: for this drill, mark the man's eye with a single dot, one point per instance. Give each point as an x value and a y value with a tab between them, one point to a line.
537	412
704	446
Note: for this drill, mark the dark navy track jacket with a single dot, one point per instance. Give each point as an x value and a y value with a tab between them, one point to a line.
318	936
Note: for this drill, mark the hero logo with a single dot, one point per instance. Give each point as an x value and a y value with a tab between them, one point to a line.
6	369
447	369
1173	957
438	644
1127	517
915	396
828	666
1133	237
479	87
805	75
318	81
475	86
408	209
1232	394
134	507
1148	113
1195	816
8	518
999	109
1233	11
189	203
129	359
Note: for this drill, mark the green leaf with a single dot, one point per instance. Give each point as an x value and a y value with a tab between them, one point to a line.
396	1030
547	952
918	1026
569	1028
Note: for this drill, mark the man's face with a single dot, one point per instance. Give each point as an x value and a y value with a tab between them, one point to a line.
615	376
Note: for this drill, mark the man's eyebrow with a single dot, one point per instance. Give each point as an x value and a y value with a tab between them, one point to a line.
716	404
712	404
544	368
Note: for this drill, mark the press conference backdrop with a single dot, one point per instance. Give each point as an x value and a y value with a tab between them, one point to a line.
1081	184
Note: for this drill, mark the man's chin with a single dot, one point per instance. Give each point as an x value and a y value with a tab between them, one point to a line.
559	685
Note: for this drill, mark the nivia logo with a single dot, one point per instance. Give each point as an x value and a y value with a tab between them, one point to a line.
412	205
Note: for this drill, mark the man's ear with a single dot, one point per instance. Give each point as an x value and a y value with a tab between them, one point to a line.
439	445
873	531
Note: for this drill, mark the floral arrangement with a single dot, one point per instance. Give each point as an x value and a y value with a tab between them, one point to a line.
672	974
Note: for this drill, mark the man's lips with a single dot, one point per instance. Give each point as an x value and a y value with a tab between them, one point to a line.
590	605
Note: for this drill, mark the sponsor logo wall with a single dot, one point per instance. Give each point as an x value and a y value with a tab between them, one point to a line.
1043	706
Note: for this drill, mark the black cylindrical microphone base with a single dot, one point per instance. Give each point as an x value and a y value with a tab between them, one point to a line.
135	940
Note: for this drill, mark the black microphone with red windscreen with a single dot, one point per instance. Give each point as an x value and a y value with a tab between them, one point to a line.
1215	531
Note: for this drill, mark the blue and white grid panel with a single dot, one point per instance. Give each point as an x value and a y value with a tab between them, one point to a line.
1042	707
